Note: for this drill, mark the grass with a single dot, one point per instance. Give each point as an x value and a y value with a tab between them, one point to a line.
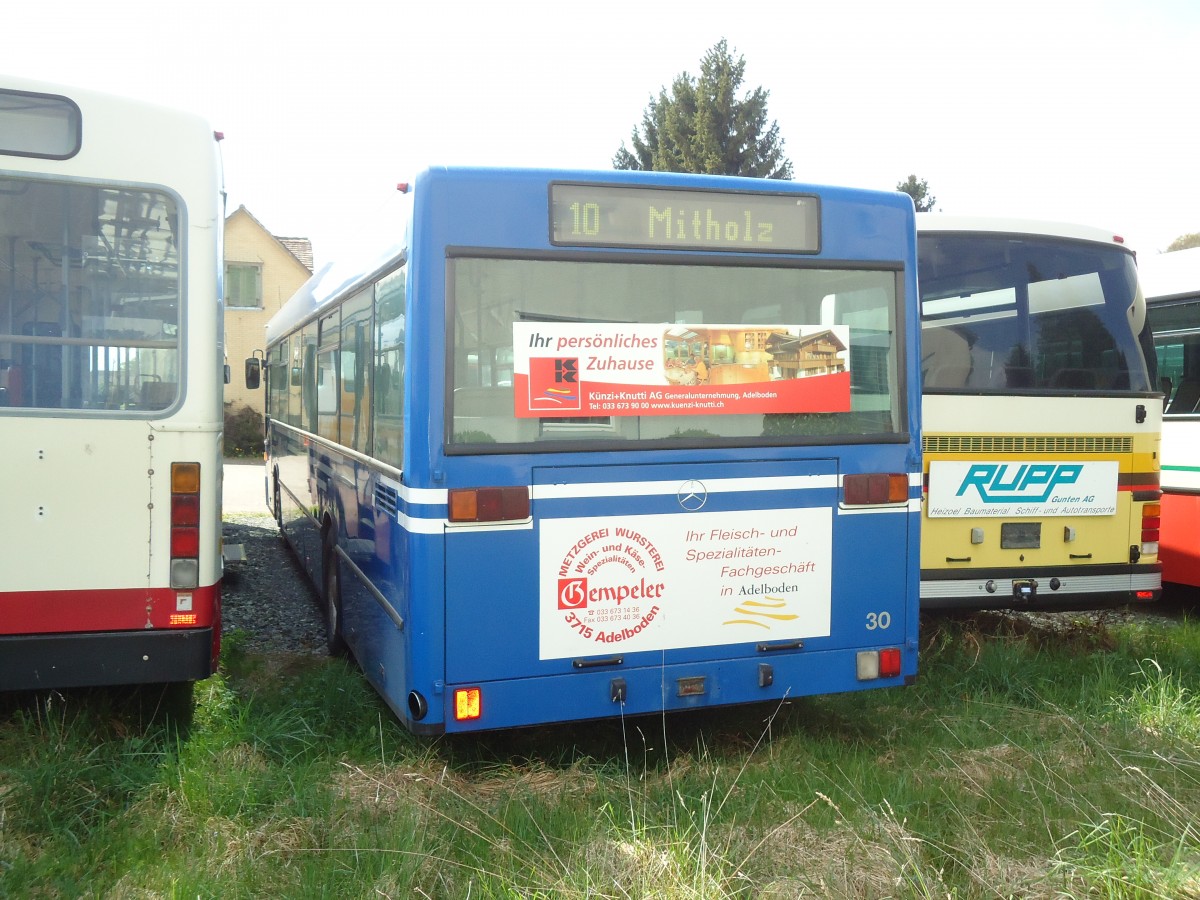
1053	757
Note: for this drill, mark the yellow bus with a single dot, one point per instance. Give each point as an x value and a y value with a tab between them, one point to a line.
1042	418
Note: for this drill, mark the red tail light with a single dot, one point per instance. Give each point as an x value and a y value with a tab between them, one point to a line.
889	662
495	504
185	509
185	542
874	488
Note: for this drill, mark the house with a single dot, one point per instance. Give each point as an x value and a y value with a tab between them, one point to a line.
820	353
261	272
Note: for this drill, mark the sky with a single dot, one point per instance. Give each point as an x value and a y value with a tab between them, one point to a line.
1046	109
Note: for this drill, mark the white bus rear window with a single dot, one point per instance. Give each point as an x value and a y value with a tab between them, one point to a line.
91	298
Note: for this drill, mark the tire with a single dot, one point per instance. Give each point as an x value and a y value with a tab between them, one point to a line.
275	498
332	596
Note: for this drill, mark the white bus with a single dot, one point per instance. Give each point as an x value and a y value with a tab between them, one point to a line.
110	390
1042	418
1171	283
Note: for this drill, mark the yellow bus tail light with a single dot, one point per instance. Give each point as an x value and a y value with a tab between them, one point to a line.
1151	524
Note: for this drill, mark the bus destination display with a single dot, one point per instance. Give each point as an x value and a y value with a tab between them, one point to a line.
658	218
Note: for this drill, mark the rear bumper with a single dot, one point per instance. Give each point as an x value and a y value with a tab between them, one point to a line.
629	689
93	659
1043	588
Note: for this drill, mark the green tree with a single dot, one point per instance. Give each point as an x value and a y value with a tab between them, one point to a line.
701	126
1185	242
919	191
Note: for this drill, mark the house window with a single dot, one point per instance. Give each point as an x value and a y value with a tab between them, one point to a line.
243	285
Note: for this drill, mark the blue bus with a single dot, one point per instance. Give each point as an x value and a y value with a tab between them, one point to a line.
588	444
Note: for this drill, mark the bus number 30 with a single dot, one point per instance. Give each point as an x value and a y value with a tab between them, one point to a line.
879	620
587	218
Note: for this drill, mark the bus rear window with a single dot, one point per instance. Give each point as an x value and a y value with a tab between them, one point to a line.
547	352
39	125
90	300
1003	313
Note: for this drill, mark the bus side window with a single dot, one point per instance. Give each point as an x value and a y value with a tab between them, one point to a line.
386	344
948	377
1185	398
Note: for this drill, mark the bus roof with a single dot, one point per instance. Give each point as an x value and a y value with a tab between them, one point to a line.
329	283
125	139
930	222
337	280
1167	275
41	86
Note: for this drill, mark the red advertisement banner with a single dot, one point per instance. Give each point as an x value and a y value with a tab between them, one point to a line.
569	369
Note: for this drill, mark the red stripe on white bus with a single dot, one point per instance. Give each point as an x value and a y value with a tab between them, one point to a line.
125	609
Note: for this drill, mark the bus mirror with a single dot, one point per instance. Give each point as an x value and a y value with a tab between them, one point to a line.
1137	312
227	373
253	372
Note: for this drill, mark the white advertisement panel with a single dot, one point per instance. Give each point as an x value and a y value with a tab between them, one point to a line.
1007	488
624	584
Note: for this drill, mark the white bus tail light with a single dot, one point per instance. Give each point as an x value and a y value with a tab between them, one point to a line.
185	542
873	664
185	525
874	488
493	504
185	478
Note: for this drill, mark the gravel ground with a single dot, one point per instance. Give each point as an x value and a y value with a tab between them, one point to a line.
267	596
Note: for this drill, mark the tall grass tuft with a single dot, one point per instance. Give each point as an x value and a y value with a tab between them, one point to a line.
1160	704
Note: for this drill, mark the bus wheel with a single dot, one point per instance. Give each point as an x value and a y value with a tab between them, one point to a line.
275	498
333	598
